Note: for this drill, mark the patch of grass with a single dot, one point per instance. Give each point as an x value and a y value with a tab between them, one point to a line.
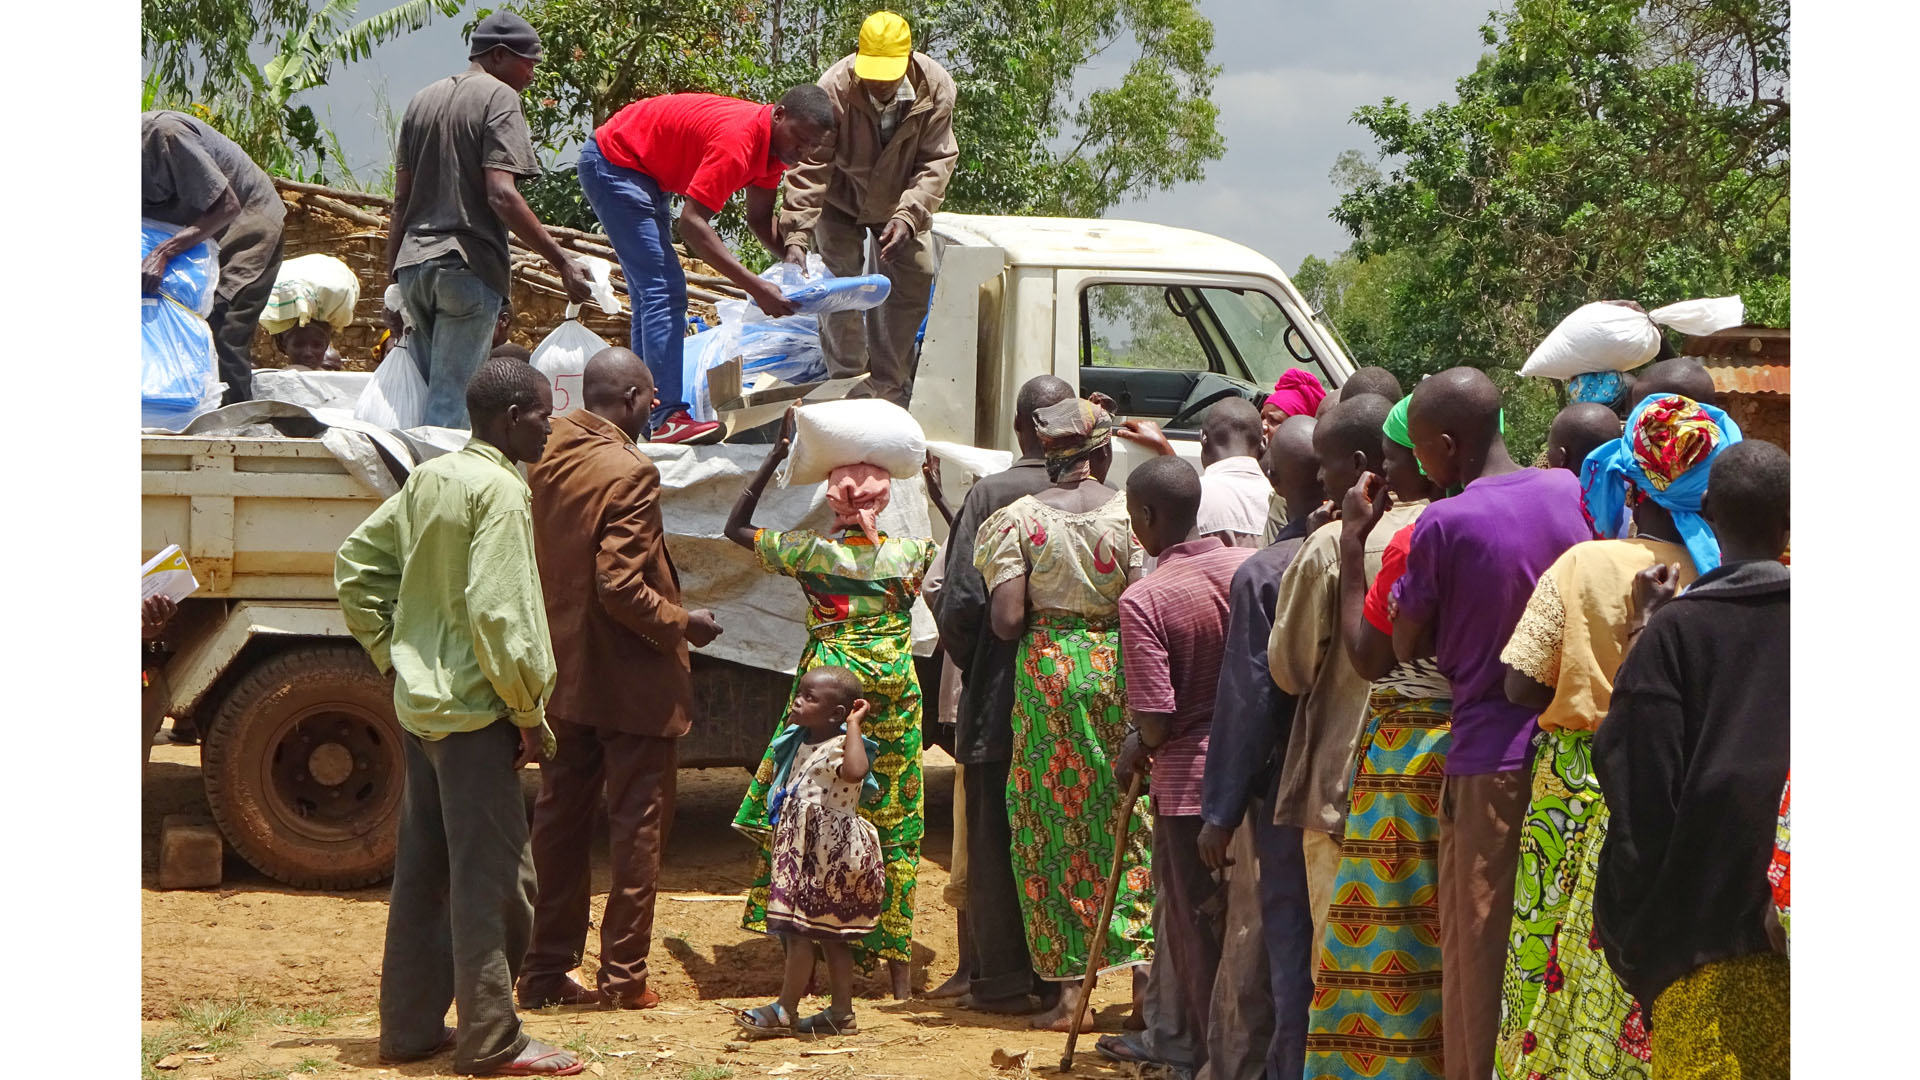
707	1072
152	1049
309	1065
579	1045
219	1024
316	1017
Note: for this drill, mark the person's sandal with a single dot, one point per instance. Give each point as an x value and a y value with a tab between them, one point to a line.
824	1024
539	1059
768	1021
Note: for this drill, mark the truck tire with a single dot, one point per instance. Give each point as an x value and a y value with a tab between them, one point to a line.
304	769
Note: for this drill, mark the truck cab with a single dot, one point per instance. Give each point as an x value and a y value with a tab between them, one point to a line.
1165	321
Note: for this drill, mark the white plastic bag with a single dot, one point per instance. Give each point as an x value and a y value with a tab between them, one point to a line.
309	288
829	434
1696	317
562	357
1604	336
396	396
600	274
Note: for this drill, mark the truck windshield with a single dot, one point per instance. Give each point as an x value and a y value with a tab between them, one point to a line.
1260	333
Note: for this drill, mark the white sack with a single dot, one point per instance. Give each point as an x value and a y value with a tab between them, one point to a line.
562	357
858	431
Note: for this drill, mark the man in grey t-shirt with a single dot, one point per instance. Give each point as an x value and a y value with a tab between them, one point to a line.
197	178
463	143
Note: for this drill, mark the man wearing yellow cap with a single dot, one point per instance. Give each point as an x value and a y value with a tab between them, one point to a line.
885	175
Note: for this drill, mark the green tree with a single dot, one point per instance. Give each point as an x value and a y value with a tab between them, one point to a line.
1030	142
1603	149
199	59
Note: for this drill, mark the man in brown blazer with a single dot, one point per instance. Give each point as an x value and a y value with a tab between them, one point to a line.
624	691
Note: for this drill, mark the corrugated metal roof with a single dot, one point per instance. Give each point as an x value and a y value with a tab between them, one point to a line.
1753	379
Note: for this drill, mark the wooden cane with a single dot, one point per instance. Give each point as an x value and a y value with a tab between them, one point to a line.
1097	955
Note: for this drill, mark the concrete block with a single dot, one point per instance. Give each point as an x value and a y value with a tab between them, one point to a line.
191	852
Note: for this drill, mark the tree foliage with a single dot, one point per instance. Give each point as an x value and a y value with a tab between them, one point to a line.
199	58
1603	149
1031	140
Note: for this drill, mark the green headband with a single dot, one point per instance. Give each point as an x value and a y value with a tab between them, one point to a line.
1396	427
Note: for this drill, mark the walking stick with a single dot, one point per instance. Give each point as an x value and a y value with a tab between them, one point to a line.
1123	821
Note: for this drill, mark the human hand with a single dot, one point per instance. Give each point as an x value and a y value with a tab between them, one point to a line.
861	707
1134	757
797	255
784	444
155	612
1322	514
931	470
1363	506
536	744
769	299
1652	588
1213	846
894	238
573	275
152	269
1146	434
702	628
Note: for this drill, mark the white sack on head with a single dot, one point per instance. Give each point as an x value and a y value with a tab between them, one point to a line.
1605	336
829	434
309	288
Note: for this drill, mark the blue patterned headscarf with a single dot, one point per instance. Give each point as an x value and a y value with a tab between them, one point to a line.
1602	387
1669	446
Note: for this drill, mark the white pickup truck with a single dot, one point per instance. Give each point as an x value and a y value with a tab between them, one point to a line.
302	761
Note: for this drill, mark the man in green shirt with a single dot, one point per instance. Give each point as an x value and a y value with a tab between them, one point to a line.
441	588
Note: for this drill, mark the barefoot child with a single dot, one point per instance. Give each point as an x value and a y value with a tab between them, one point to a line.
829	878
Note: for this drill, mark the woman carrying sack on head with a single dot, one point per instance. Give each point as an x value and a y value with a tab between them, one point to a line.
860	585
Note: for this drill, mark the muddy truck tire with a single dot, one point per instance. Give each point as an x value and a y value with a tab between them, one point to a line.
304	769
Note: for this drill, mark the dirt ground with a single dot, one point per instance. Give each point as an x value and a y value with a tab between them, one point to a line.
254	980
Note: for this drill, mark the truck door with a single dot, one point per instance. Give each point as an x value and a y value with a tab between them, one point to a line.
1166	346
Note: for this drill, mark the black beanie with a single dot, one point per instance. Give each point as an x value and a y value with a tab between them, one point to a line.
505	28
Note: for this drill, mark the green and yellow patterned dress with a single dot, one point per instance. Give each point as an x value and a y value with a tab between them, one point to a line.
859	616
1069	719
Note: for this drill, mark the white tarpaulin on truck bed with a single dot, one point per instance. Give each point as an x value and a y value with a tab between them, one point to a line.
764	615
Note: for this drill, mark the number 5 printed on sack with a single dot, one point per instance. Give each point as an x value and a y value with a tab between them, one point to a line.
563	397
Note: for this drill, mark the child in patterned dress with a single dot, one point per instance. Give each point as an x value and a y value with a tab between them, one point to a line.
829	876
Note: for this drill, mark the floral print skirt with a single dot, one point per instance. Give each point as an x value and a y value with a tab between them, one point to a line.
1062	798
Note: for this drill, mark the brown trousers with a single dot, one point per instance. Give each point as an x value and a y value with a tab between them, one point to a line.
639	772
1480	820
878	340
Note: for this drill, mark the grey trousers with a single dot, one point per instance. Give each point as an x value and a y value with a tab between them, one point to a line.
1240	1019
233	322
881	339
461	912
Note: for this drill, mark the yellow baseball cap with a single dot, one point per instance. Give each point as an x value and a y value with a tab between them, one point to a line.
886	46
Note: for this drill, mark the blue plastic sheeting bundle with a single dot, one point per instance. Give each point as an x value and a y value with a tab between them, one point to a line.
193	276
788	349
839	294
177	381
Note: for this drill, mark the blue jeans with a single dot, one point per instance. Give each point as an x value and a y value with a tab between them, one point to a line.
453	314
639	223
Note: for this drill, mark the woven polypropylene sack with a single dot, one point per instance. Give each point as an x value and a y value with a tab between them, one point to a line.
829	434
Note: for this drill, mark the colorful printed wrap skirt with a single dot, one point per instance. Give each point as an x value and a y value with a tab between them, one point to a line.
1376	998
1780	870
1068	724
1733	1018
828	879
877	649
1563	1013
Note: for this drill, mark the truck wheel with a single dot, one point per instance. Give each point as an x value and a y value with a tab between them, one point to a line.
303	768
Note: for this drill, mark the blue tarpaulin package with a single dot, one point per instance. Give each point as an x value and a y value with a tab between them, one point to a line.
193	276
176	365
815	292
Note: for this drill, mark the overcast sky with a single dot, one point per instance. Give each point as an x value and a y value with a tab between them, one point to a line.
1293	72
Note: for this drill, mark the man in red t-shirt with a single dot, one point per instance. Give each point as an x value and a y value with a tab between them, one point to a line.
703	147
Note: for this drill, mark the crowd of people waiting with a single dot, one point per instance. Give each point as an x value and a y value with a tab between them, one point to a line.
1387	832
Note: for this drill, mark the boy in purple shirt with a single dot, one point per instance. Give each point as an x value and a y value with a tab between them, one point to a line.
1470	570
1173	633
